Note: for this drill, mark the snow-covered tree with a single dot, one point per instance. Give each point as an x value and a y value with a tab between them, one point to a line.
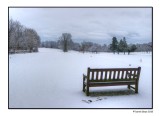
15	34
76	46
49	44
22	38
32	39
85	46
131	48
65	41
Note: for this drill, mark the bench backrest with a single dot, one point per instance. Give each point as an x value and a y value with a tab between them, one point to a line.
113	74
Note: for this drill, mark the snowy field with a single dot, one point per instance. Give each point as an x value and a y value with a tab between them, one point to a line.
53	79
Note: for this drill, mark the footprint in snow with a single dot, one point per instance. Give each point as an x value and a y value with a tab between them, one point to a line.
90	101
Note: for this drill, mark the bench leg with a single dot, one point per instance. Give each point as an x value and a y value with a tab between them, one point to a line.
84	84
87	91
129	86
84	87
136	88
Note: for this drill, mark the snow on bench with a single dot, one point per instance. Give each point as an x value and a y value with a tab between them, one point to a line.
111	77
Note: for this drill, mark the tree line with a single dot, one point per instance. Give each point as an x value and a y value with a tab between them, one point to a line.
65	43
121	46
22	38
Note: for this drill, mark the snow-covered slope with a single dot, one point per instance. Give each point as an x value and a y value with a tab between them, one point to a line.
53	79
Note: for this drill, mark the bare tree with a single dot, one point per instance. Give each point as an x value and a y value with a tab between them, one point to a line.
11	27
32	39
15	34
22	38
66	41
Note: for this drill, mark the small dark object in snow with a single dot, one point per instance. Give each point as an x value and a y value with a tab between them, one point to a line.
90	100
129	64
87	101
99	98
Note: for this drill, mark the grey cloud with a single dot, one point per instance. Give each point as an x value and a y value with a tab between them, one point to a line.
87	23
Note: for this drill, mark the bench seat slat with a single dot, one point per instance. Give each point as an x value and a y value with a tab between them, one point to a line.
111	83
112	80
113	69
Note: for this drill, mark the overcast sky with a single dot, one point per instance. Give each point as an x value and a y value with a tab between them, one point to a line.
88	24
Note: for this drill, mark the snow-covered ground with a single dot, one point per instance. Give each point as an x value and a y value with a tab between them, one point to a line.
53	79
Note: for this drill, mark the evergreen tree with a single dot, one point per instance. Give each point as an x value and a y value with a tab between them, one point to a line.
114	45
125	46
132	48
122	46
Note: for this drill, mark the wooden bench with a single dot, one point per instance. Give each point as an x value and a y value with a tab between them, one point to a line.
111	77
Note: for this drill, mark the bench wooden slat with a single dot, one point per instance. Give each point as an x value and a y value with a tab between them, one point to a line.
101	75
129	74
122	74
92	75
111	84
112	80
110	74
134	73
114	73
105	77
118	74
112	69
97	73
125	74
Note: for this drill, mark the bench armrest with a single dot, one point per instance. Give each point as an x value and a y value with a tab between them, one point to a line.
84	76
